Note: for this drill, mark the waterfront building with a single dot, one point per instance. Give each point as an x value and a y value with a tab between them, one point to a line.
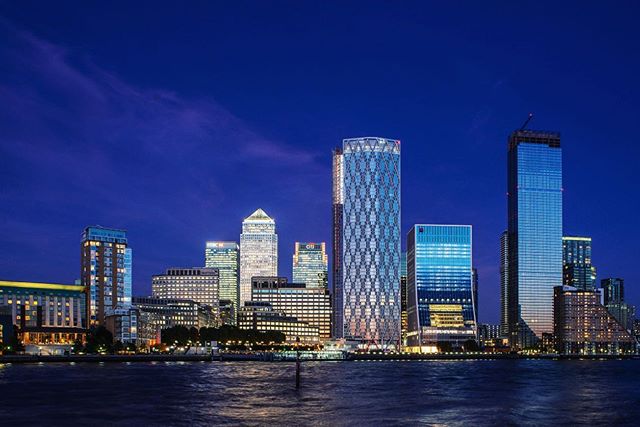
489	332
44	313
228	312
504	283
258	251
307	304
260	316
369	291
534	195
474	291
336	257
225	256
200	284
156	314
123	324
613	298
105	272
404	326
310	264
439	285
582	325
576	259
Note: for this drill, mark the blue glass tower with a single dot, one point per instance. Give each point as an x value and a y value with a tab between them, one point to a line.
439	285
370	288
534	233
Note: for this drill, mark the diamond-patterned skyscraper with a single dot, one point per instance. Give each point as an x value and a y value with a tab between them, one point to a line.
370	286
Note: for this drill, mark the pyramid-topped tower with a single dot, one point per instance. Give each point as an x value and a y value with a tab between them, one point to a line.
258	251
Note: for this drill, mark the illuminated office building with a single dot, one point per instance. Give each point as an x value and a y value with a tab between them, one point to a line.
534	195
225	257
260	316
336	256
403	298
439	285
200	284
310	264
307	304
504	284
369	290
613	293
106	272
157	314
258	251
45	313
584	326
576	260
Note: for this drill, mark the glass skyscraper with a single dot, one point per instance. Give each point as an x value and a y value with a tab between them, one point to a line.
403	297
369	184
576	260
535	233
336	256
439	285
504	284
258	251
310	264
225	257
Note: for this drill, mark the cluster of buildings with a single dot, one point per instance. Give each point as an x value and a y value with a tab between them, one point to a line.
422	299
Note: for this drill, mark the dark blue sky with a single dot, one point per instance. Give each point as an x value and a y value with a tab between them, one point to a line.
176	121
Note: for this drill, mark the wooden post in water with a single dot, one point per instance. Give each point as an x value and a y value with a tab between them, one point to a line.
297	362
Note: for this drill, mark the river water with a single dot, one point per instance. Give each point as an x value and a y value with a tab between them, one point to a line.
498	392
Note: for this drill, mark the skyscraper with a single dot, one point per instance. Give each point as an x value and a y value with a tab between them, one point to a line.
576	260
336	257
105	272
535	233
474	292
439	285
369	182
404	326
258	251
504	284
613	290
310	264
225	257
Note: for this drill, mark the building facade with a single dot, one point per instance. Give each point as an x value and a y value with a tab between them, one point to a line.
310	264
576	263
307	304
439	285
225	256
337	302
105	272
504	283
45	313
582	325
156	314
258	251
199	284
404	325
370	276
260	316
613	299
534	195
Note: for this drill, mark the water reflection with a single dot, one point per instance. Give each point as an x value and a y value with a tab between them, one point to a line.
332	393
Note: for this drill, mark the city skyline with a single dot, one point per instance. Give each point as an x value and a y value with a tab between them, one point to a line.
446	178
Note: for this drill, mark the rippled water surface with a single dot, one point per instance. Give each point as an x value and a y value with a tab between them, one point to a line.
508	392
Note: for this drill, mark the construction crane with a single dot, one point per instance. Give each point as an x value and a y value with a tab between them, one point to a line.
526	122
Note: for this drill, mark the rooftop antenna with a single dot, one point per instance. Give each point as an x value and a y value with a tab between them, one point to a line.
526	122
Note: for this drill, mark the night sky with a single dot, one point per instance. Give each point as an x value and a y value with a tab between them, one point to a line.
175	122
